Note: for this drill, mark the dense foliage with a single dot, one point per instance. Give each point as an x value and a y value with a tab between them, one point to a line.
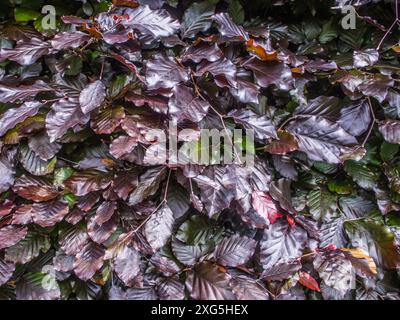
85	213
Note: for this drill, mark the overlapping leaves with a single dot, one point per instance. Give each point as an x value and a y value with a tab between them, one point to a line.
84	191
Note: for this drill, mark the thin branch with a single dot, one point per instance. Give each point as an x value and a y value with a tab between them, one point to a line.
372	124
102	68
396	21
166	187
221	117
386	34
70	161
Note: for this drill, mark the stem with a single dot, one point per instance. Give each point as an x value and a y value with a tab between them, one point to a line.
70	161
166	187
372	124
285	122
147	219
221	117
102	68
387	33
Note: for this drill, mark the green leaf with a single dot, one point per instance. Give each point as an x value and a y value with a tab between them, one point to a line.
25	15
340	186
38	286
388	151
329	31
195	230
322	204
236	11
71	199
365	177
62	174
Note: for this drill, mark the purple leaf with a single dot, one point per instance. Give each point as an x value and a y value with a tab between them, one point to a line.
88	261
92	96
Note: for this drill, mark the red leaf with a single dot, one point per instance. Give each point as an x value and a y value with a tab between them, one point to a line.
308	281
264	205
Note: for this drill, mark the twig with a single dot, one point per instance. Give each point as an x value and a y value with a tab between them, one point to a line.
221	117
166	187
372	124
70	161
102	68
396	21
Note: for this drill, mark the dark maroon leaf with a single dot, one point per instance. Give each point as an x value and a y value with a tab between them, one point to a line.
320	65
73	238
23	215
63	262
281	270
171	289
247	91
158	228
127	265
185	105
223	70
65	40
100	232
286	143
265	206
355	118
34	188
86	202
234	251
22	93
164	72
47	214
40	144
229	29
154	23
157	103
390	130
92	96
7	173
365	58
217	189
84	182
104	212
270	73
107	120
197	18
123	145
128	64
6	271
64	114
280	191
149	183
6	207
74	20
26	52
376	86
74	216
281	243
203	51
124	183
262	125
320	139
335	271
246	288
88	261
10	235
207	282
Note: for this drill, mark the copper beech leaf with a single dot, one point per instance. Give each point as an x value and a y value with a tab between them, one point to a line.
94	205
